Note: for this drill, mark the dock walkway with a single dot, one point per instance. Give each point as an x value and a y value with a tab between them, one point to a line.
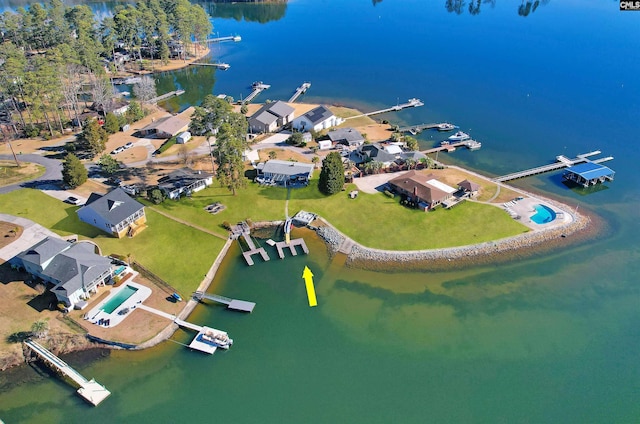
561	162
166	96
243	230
258	87
281	245
238	305
469	144
222	66
416	129
299	91
410	103
90	390
235	38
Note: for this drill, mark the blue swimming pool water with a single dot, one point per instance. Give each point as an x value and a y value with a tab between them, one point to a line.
543	214
119	299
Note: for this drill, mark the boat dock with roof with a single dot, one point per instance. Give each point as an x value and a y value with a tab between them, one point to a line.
235	304
562	162
90	390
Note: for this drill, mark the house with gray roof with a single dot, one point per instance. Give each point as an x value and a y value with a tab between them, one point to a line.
271	117
284	172
184	181
114	213
72	270
346	136
317	119
387	154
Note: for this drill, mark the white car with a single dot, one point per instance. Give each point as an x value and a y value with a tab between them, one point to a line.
128	145
117	150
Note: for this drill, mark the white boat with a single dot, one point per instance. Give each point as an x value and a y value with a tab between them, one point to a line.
445	126
218	338
459	136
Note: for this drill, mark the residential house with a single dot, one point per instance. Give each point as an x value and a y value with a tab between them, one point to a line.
424	190
73	270
166	127
317	119
271	117
388	154
284	172
347	136
184	181
114	213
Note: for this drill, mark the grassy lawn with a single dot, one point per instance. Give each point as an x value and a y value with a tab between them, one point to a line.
10	173
179	254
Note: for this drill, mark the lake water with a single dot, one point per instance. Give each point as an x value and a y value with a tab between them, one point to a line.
548	338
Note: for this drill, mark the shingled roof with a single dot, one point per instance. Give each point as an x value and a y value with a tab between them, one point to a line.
114	206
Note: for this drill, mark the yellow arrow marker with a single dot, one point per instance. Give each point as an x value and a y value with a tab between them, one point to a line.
308	281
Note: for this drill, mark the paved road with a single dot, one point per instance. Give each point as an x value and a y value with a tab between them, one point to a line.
52	175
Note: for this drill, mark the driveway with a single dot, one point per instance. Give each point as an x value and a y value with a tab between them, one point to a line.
372	183
51	176
31	235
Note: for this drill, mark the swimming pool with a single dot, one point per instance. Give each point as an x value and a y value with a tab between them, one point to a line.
543	215
112	304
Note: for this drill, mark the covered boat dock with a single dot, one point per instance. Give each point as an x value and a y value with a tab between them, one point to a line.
589	173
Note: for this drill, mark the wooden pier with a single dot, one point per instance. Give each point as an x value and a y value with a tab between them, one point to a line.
243	230
90	390
469	144
300	91
561	162
166	96
258	87
235	38
410	103
235	304
281	245
222	66
416	129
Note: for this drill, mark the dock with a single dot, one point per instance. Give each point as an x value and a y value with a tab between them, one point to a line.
281	245
235	38
235	304
561	162
243	230
300	91
166	96
410	103
90	390
469	144
417	129
204	344
258	87
222	66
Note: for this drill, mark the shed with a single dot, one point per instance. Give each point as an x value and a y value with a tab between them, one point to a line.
324	144
183	137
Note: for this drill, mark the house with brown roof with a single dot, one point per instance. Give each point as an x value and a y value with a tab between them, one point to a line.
424	190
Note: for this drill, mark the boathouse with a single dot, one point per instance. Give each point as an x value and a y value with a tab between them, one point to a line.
589	173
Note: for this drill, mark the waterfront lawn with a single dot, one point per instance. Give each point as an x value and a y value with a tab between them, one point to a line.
179	254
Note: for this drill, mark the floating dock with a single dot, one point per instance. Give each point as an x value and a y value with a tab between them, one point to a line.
235	304
258	87
243	230
450	147
201	343
300	91
222	66
561	162
90	390
281	245
166	96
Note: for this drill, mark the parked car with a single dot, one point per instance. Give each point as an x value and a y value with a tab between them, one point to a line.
72	200
117	150
130	189
114	181
128	145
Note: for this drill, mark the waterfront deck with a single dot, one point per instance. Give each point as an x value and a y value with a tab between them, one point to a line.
258	87
235	304
281	245
300	91
561	162
90	390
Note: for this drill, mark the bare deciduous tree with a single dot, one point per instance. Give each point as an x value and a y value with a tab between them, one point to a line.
145	90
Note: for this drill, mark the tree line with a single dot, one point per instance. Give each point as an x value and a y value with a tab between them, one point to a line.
54	57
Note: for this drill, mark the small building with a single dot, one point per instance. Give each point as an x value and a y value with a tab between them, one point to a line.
284	172
324	144
184	181
424	190
166	127
271	117
469	188
347	136
73	271
114	213
588	173
317	119
182	138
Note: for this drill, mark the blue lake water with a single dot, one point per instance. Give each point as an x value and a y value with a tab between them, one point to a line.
549	338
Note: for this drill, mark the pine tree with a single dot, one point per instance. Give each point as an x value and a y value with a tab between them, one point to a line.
94	137
74	173
111	123
332	174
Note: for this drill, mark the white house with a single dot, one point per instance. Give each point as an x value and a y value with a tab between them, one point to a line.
317	119
284	172
184	181
73	270
115	213
182	138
